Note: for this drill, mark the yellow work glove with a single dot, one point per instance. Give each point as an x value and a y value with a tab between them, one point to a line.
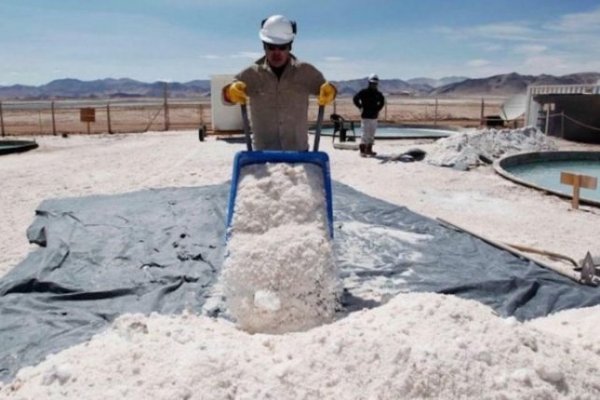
326	94
235	93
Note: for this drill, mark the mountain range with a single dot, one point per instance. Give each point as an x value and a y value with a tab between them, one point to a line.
497	85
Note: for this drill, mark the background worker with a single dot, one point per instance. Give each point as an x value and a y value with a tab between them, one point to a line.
370	101
278	86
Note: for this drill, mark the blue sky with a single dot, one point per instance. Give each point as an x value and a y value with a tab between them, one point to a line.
183	40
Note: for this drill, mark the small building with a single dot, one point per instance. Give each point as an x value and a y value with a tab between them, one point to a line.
225	118
571	112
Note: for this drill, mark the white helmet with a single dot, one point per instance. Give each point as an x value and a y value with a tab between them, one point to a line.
373	78
277	29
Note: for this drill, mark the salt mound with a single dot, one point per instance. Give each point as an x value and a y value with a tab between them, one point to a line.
279	274
415	346
483	146
578	325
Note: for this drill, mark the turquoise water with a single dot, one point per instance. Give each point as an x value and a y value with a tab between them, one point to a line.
547	175
396	132
10	146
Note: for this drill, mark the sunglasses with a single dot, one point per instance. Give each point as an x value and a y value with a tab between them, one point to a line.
281	47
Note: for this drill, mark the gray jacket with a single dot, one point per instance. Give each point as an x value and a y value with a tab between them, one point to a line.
279	107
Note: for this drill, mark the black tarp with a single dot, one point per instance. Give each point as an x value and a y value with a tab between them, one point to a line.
161	251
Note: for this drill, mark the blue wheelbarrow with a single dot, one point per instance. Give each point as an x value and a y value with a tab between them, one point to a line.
249	157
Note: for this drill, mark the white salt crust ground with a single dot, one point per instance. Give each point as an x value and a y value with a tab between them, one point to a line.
416	346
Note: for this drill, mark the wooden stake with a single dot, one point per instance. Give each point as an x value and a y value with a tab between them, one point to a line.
385	112
577	181
108	118
2	120
53	119
576	185
481	113
166	108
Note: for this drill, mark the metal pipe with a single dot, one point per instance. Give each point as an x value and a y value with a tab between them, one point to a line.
318	128
246	123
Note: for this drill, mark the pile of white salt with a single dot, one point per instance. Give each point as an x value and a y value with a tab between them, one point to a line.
417	346
279	274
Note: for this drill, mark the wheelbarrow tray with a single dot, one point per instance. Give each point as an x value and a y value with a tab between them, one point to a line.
245	158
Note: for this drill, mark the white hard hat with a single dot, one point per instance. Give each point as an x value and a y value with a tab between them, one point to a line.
277	29
373	78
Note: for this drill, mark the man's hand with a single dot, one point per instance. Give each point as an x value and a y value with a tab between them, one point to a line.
235	93
326	94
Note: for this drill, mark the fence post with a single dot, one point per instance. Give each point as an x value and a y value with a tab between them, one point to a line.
435	112
108	118
40	121
481	114
2	120
385	118
547	119
562	124
166	107
53	118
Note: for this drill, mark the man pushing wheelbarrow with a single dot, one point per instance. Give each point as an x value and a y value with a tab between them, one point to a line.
278	86
279	273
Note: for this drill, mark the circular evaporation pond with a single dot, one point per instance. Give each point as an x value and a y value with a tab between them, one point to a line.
542	171
16	146
395	132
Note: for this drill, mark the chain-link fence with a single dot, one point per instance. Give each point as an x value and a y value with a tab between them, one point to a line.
64	117
427	110
141	115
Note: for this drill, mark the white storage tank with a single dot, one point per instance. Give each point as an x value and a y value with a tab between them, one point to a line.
224	117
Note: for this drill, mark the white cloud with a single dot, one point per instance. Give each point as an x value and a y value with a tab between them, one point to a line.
504	30
492	47
515	31
558	64
477	63
578	22
530	49
560	45
545	62
211	57
247	54
580	29
334	59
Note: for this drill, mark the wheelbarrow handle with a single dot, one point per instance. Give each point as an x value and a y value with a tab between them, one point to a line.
318	128
247	127
246	123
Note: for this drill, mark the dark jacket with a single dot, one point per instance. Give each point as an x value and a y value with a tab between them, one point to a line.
370	101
